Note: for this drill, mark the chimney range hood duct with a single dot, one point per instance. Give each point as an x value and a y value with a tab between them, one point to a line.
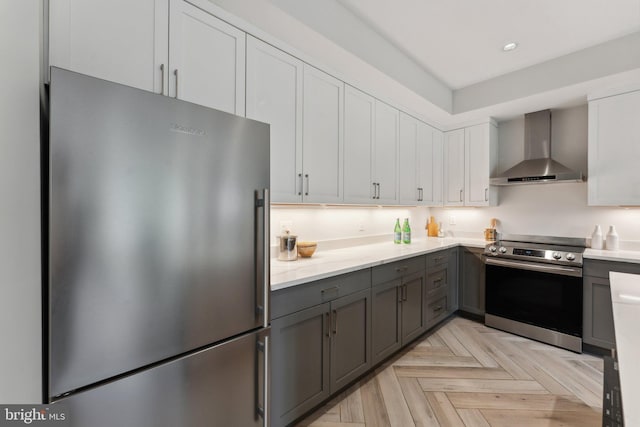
537	167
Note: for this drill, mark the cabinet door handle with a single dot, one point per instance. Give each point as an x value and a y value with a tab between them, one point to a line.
175	73
306	176
460	194
300	182
378	191
161	79
421	194
335	322
486	199
375	190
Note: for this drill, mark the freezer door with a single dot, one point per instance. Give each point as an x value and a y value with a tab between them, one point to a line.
220	386
156	228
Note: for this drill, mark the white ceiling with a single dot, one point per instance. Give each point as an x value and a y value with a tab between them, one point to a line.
460	41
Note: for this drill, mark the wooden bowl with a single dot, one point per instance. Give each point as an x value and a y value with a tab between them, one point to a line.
306	249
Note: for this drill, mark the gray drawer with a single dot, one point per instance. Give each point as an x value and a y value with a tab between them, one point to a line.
296	298
395	270
437	279
436	309
437	259
597	268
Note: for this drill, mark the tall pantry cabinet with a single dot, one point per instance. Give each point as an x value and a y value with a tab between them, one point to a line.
157	45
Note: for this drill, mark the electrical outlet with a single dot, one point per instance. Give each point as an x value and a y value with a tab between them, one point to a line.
452	220
285	225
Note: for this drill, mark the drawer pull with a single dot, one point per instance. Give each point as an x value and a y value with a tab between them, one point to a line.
438	258
331	289
438	308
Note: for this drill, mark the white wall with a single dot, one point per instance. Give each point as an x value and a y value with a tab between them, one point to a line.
20	281
546	209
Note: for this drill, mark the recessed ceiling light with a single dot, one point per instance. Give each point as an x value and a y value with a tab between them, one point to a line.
509	46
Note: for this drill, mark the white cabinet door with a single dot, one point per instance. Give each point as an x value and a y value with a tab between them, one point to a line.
437	165
409	192
427	164
614	150
207	59
478	162
385	168
359	116
122	41
322	137
454	168
274	96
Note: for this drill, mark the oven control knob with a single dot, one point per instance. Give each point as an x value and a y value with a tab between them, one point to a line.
556	255
503	250
571	256
493	249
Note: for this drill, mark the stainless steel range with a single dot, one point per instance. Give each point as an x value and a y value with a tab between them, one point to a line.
534	288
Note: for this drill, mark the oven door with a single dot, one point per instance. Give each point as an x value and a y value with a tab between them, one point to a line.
543	295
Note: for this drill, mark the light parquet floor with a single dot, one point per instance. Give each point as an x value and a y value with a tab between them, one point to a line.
466	374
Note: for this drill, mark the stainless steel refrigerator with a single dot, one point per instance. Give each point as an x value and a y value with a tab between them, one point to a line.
158	259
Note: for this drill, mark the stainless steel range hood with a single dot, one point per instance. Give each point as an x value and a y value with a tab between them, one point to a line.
537	167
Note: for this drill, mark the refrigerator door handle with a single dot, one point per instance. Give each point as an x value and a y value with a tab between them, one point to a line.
263	409
263	290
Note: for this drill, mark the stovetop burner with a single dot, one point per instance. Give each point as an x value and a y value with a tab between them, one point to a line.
545	249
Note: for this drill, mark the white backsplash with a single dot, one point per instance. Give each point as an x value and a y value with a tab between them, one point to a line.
340	226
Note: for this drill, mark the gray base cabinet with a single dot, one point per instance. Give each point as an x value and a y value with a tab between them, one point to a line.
299	363
442	285
597	311
398	305
472	286
318	350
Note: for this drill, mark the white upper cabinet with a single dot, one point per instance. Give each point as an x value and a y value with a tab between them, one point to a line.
614	150
370	150
429	160
274	96
120	40
470	156
409	192
385	153
322	137
421	160
359	116
207	59
166	46
480	145
454	168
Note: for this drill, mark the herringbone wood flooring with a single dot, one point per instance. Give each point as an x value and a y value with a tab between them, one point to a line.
466	374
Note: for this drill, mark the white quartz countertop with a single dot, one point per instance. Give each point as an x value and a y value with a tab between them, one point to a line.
619	256
328	263
625	297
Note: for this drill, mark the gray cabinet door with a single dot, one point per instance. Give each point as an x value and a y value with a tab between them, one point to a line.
452	276
597	313
473	281
412	294
350	338
300	363
385	321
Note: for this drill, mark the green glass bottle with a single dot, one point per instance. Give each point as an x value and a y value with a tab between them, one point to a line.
406	231
397	232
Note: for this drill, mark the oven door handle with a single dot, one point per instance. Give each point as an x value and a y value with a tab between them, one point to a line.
552	269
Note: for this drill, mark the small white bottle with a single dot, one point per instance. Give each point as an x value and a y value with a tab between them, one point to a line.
596	238
612	239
